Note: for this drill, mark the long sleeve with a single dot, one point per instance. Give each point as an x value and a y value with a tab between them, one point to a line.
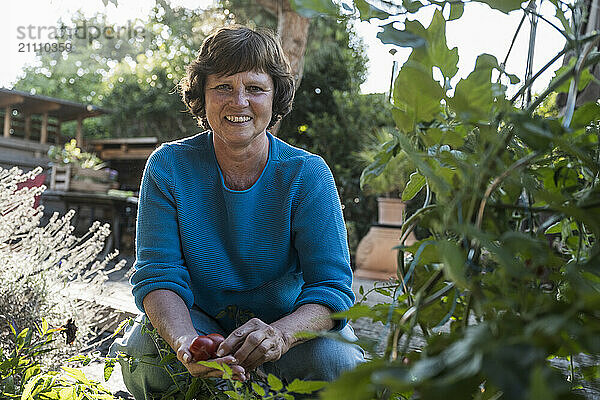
160	263
319	235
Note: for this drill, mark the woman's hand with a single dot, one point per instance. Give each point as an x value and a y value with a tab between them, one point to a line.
182	348
254	343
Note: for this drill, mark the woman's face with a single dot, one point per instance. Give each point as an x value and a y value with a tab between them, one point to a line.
239	107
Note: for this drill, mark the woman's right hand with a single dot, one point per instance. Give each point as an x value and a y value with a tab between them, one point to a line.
182	348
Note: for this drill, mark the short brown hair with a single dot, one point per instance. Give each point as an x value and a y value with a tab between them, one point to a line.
234	49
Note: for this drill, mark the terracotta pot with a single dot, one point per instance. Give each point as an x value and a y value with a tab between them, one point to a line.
376	257
391	211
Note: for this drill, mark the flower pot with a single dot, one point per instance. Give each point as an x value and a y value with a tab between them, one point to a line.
376	257
390	211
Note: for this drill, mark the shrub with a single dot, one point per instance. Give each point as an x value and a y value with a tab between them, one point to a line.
41	264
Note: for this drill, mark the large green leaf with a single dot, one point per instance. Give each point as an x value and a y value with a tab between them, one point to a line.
505	6
475	96
435	53
417	96
391	35
367	11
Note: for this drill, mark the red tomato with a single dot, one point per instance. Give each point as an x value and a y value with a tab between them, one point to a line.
215	337
203	348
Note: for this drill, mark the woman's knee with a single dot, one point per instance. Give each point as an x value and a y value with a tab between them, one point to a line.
320	359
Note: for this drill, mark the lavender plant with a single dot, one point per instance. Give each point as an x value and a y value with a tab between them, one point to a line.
41	265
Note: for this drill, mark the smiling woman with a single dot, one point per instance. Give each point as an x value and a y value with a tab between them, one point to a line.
239	233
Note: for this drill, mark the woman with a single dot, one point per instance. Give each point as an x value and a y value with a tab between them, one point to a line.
238	232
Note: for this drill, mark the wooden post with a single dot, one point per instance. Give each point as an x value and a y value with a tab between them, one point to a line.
7	115
27	127
44	130
57	136
79	134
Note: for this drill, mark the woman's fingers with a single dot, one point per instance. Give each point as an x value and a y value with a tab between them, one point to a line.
236	339
266	351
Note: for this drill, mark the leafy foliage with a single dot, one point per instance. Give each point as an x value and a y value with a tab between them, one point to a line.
186	387
508	278
23	376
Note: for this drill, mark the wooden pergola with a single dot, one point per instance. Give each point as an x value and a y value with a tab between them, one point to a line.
27	105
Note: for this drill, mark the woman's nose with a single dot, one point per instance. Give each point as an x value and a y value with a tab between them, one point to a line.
239	97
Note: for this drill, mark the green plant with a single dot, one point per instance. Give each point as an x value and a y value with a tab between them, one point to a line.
391	178
44	265
186	387
508	284
23	376
71	154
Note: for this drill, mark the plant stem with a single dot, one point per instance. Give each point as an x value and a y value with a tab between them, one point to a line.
465	321
527	83
591	60
519	163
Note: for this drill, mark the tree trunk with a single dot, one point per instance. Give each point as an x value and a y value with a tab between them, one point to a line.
293	31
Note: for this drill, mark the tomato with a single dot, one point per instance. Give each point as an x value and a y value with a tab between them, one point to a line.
215	337
203	348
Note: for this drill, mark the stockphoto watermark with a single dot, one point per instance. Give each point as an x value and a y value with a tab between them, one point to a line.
42	38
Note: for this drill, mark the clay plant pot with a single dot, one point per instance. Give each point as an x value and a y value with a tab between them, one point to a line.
376	257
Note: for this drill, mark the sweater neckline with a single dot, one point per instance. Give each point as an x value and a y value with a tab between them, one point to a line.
255	184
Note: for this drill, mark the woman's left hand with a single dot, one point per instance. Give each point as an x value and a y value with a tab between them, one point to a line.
254	343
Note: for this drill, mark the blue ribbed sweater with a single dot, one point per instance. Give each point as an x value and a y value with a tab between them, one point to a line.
260	252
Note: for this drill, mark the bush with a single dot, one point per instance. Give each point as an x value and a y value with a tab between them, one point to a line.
41	264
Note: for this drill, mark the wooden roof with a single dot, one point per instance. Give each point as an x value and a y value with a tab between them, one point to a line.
63	110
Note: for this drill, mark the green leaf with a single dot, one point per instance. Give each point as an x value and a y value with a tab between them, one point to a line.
475	97
353	313
585	115
313	8
258	389
585	78
454	263
456	11
391	35
109	366
538	387
193	389
429	252
76	374
554	228
412	6
31	372
212	364
561	17
417	96
305	387
435	53
234	395
274	382
368	11
379	163
513	78
505	6
414	186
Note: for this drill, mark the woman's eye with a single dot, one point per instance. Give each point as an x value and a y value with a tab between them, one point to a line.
254	89
222	87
